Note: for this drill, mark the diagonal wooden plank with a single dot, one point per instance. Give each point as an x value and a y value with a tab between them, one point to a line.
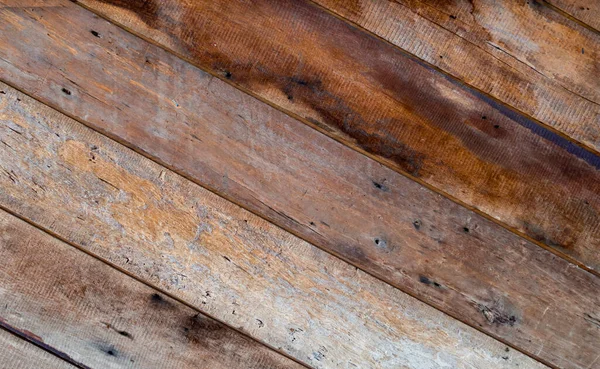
102	318
329	194
18	353
221	259
376	99
585	11
520	52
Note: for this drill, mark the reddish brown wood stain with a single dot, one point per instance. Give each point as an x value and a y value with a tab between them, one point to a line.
372	96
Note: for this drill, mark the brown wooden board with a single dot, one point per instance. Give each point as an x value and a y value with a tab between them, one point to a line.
225	261
415	239
373	97
585	11
16	353
522	53
101	317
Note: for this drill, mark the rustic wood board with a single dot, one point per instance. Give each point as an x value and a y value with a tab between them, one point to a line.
520	52
372	96
221	259
102	318
354	207
586	11
16	353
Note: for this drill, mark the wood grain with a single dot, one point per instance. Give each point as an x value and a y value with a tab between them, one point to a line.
18	353
520	52
221	259
586	11
331	195
103	318
373	97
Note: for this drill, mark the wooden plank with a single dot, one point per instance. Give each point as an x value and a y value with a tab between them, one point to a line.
18	353
351	206
519	52
371	96
102	318
585	11
231	264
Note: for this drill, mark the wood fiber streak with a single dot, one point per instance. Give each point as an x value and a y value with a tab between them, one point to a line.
520	52
18	353
220	258
102	318
586	11
294	176
373	97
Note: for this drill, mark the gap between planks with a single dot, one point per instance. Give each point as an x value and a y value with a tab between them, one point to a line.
32	340
430	65
570	17
31	355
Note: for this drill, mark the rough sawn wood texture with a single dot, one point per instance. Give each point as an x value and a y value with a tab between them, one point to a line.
101	318
375	98
219	258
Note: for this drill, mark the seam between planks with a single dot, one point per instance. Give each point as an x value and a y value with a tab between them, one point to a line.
32	339
148	156
438	69
570	17
359	150
130	275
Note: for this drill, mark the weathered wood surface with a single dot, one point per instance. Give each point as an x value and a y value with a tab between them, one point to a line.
16	353
521	52
370	95
103	318
585	11
331	195
225	261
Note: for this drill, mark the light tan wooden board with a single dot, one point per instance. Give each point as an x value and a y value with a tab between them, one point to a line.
102	318
373	97
374	217
16	353
218	257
